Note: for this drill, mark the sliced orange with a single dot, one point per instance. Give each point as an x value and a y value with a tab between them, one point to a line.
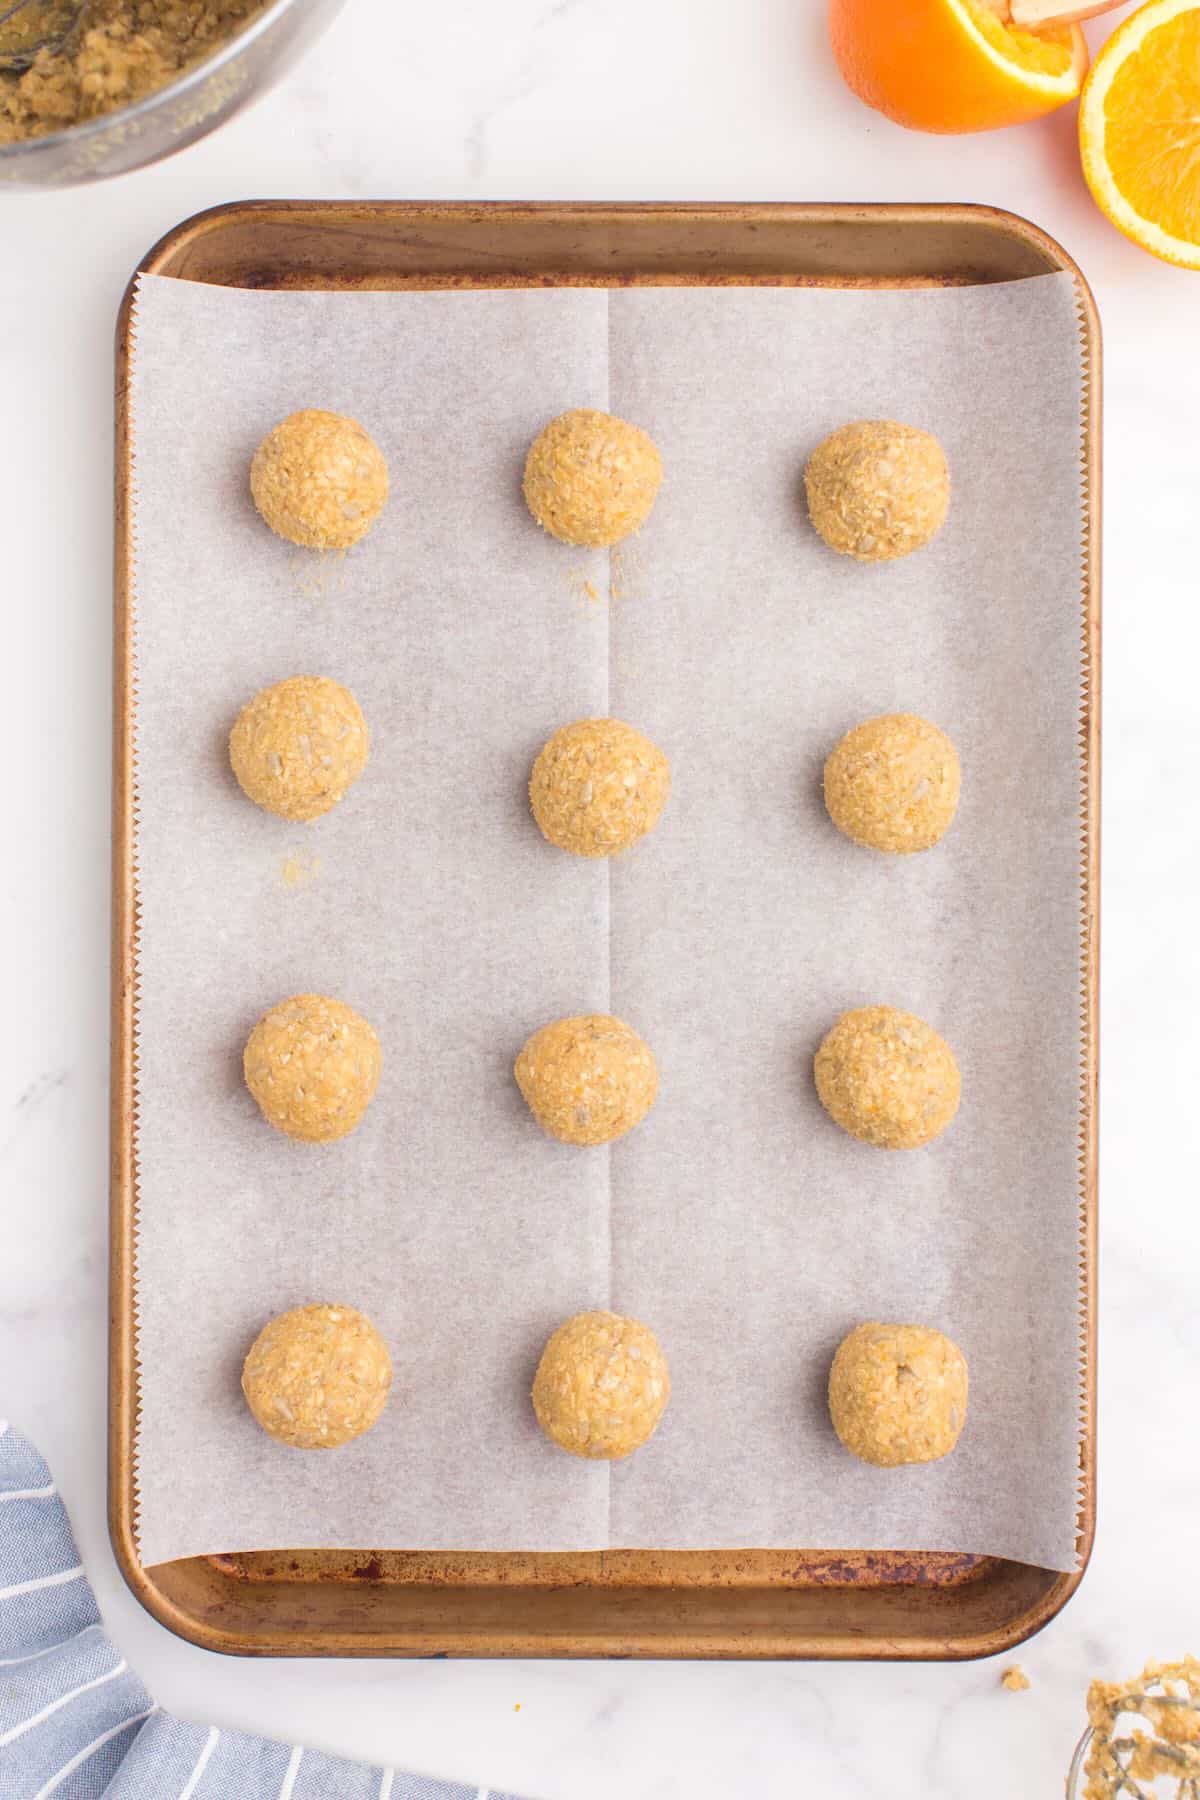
953	65
1139	129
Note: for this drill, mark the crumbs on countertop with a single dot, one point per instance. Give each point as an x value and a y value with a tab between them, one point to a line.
1015	1679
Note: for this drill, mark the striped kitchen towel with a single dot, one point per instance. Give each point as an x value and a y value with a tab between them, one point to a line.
76	1722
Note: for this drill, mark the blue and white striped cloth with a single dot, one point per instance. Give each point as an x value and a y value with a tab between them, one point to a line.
76	1722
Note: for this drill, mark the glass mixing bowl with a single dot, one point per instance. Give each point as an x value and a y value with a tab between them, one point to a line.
1151	1742
189	108
1075	1773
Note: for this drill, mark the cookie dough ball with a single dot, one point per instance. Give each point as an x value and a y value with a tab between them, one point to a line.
317	1376
587	1080
312	1064
888	1078
598	786
893	783
298	746
602	1386
878	490
591	479
319	480
898	1394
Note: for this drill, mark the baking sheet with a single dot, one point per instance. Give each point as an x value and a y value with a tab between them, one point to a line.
737	1220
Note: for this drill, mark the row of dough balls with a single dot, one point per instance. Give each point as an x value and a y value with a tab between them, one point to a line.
313	1064
598	785
319	1376
876	489
885	1076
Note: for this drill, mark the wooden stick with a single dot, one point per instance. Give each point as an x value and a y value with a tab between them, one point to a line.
1041	15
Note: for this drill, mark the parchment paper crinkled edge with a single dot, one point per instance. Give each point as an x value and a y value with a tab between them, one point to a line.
1089	775
131	704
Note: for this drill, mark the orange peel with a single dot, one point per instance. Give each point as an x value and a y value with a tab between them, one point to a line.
1139	130
953	65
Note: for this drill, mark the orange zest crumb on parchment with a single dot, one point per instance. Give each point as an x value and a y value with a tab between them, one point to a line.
298	871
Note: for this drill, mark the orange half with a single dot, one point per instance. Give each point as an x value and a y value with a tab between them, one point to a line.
953	65
1139	129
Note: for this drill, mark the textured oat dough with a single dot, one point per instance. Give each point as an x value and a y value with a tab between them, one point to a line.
1160	1756
319	480
298	746
104	56
597	786
317	1376
312	1064
602	1386
877	490
888	1078
590	478
898	1394
893	783
587	1080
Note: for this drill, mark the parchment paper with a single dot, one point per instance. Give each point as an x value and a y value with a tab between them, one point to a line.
737	1221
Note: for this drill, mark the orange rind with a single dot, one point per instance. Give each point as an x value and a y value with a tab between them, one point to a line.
953	65
1139	130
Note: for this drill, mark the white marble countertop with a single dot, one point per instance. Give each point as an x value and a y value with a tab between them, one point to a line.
607	99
